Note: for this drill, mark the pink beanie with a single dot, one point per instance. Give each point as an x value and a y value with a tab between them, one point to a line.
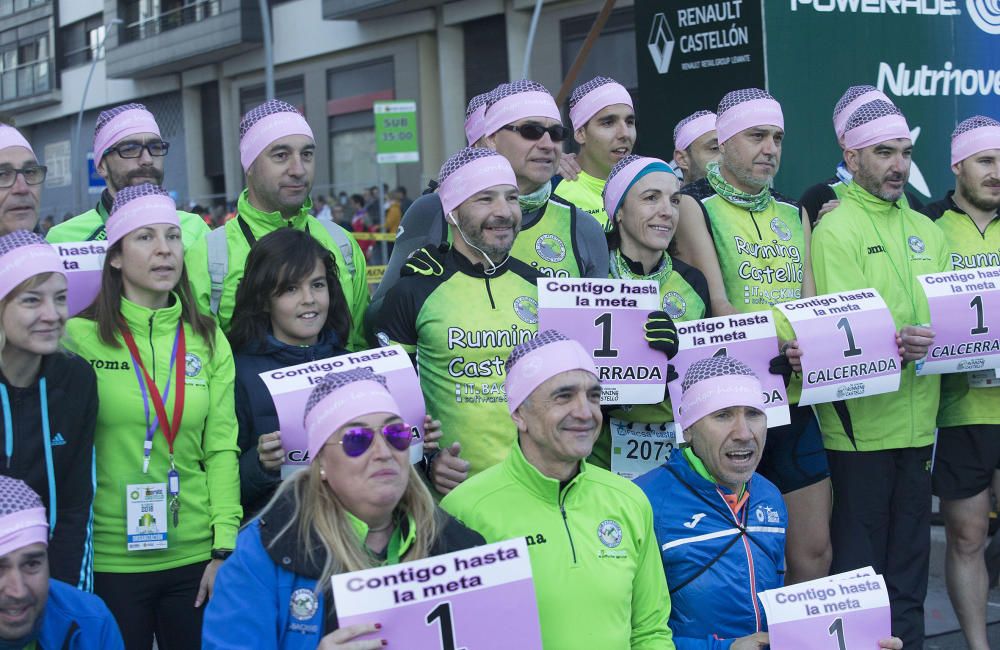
24	255
693	127
533	362
742	109
874	122
978	133
138	206
472	170
475	118
118	123
340	397
272	120
716	383
588	99
518	100
11	137
22	516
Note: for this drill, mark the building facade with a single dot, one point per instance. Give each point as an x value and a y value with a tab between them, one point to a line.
199	64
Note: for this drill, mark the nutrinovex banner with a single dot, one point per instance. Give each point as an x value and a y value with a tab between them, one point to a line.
938	60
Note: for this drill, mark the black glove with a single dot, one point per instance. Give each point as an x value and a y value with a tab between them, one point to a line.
780	365
671	376
426	261
661	333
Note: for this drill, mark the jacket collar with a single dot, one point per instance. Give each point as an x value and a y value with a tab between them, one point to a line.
261	222
162	321
328	345
477	269
872	204
527	475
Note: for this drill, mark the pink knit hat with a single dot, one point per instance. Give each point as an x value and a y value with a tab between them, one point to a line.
138	206
853	98
518	100
693	127
874	122
742	109
475	118
472	170
272	120
24	255
340	397
977	133
533	362
118	123
11	137
588	99
716	383
22	516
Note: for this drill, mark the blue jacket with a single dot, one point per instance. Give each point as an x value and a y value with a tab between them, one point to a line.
716	562
265	593
75	620
255	412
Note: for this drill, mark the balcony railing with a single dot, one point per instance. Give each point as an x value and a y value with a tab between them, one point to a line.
168	20
25	80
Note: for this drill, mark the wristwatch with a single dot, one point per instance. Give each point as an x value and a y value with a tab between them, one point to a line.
221	553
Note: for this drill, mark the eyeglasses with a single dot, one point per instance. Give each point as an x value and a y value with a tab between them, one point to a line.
357	440
558	133
134	149
33	175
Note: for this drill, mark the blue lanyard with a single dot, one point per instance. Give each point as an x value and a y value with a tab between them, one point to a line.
147	447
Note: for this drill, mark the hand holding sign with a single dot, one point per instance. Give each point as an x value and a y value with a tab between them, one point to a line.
848	346
270	451
965	316
344	638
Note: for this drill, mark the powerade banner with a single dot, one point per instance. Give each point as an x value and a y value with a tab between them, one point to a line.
938	60
689	54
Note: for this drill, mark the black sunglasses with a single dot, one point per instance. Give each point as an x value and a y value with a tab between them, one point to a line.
558	133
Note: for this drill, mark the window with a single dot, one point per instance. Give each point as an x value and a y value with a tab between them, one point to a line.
8	7
82	41
291	90
144	18
351	92
25	68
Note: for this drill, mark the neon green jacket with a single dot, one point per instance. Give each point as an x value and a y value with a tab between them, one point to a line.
205	451
355	286
870	243
587	194
89	226
599	579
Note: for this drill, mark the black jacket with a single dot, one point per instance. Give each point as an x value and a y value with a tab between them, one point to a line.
71	393
255	412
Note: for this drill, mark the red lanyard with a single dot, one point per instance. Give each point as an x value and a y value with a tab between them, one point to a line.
169	427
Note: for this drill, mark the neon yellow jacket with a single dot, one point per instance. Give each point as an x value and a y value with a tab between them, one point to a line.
205	451
599	579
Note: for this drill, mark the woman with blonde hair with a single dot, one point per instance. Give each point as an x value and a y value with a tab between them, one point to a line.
48	400
360	504
167	506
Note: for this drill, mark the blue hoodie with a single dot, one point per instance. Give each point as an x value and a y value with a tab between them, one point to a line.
255	411
75	620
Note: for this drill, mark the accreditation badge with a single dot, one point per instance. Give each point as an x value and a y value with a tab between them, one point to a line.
637	448
146	516
983	379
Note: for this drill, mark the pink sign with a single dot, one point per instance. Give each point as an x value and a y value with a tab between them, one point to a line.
848	343
83	263
606	317
835	613
290	388
965	317
751	338
481	598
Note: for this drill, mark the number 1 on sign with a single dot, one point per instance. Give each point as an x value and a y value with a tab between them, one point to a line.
852	350
837	627
606	351
977	304
442	613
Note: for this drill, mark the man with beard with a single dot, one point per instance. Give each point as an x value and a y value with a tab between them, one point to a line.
128	151
726	220
521	123
35	610
968	443
879	446
696	144
604	126
462	321
21	179
277	152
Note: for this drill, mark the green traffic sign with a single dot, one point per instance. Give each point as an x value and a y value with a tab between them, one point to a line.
396	131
